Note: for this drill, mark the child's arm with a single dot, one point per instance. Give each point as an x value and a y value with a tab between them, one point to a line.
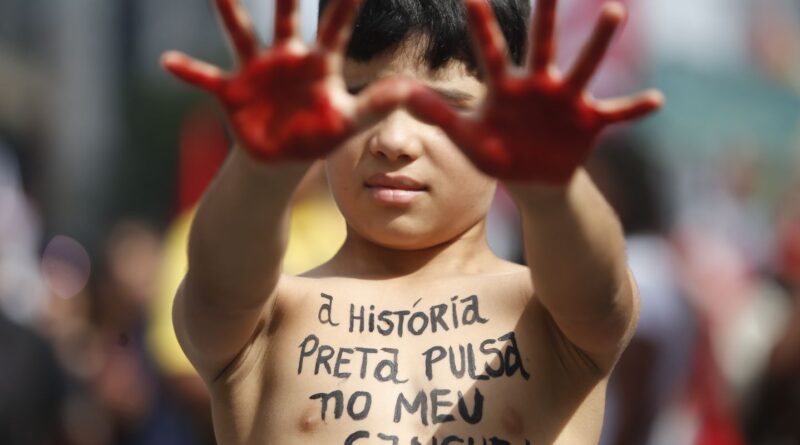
575	249
287	107
534	131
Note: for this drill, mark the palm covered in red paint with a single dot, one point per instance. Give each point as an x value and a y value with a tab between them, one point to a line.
541	125
289	102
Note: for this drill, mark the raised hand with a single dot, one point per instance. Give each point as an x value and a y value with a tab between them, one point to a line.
538	125
289	102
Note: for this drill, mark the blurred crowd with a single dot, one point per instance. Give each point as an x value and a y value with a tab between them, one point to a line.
103	158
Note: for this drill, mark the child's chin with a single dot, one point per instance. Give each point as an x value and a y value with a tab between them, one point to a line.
405	238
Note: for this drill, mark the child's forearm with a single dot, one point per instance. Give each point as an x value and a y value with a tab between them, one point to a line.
575	249
240	232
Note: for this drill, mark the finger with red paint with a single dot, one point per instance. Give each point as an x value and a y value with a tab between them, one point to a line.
629	108
488	41
195	72
290	101
591	57
539	126
542	42
239	29
286	21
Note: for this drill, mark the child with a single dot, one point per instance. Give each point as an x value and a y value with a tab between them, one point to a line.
414	332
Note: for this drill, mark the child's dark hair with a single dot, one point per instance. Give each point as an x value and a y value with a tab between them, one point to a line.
383	24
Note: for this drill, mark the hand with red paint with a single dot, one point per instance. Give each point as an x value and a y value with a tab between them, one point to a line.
289	102
539	125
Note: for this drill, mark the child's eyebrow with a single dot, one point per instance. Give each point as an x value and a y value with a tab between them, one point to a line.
447	93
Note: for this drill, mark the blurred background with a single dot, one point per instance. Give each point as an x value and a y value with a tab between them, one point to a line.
103	156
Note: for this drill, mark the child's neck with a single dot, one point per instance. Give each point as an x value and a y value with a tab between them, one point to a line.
465	254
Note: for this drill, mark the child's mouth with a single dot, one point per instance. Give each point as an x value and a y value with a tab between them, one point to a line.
394	189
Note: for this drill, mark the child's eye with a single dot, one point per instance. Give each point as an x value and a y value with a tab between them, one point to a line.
459	100
461	104
355	90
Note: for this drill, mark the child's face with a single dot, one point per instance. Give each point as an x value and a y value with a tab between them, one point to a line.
401	183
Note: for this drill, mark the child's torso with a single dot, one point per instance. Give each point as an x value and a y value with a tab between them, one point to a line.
469	360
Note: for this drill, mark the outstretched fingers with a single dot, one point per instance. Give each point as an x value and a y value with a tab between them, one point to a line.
286	20
193	71
595	50
239	28
336	25
630	108
489	41
542	41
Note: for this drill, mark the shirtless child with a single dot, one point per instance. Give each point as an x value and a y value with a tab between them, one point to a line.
414	333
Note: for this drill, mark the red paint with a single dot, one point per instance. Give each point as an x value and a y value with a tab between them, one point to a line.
542	42
491	46
239	29
540	127
281	108
193	72
285	20
595	50
280	103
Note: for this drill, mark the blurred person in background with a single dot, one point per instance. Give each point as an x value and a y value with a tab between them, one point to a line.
33	388
725	244
203	146
126	384
21	284
33	385
66	323
772	414
653	372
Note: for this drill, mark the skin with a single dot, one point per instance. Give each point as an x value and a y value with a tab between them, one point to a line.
401	145
572	312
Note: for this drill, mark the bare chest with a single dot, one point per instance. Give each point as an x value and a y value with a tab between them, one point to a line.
441	368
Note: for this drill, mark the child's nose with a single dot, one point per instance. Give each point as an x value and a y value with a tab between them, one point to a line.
394	138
